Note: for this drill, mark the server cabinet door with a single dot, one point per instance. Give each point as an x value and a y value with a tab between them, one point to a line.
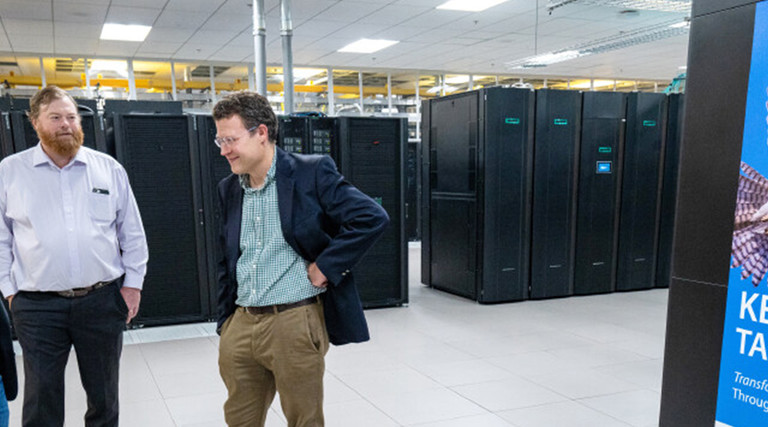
602	136
322	136
426	193
669	189
158	155
412	201
454	246
555	165
504	181
6	134
639	220
453	144
213	168
372	160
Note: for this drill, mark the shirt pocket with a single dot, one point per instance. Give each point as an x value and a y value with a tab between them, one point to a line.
100	207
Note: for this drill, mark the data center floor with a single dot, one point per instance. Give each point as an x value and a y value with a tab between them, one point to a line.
442	361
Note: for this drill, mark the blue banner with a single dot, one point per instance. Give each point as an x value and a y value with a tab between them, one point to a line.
742	398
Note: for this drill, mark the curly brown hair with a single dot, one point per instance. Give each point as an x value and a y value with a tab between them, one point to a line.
252	108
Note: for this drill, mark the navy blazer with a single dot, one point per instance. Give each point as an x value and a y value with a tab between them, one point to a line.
325	220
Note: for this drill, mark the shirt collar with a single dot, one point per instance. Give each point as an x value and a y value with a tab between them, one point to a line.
245	179
39	156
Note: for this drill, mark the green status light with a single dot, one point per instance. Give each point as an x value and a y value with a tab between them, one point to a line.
649	123
604	149
561	122
512	121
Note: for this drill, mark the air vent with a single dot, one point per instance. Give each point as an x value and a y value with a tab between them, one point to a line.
205	71
9	64
69	66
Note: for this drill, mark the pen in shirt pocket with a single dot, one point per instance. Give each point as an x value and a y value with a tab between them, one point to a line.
100	190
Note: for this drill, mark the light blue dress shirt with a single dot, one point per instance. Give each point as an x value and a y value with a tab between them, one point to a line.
70	227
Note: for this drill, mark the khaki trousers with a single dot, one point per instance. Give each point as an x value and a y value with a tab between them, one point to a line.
283	352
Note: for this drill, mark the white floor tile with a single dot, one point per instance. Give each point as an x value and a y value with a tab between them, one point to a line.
426	406
583	383
561	414
507	394
638	408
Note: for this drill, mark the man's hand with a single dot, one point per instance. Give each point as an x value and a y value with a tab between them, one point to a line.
316	276
132	297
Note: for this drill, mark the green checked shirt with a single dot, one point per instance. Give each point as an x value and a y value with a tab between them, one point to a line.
269	271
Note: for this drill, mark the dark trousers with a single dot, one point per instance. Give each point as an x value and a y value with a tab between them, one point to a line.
47	326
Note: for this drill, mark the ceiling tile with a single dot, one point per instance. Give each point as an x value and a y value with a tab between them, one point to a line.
28	9
80	12
132	15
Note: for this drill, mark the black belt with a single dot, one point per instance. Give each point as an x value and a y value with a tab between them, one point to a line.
274	309
81	292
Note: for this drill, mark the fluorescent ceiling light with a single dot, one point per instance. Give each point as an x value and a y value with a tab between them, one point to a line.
469	5
102	65
595	83
455	80
620	41
681	6
128	33
367	45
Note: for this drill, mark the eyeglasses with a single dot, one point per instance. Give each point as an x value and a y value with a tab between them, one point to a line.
230	140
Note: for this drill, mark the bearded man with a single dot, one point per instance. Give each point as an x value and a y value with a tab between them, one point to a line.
73	256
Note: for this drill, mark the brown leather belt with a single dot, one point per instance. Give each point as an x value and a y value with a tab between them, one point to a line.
81	292
274	309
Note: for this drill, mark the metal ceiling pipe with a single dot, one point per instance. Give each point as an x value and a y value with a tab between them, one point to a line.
286	34
260	46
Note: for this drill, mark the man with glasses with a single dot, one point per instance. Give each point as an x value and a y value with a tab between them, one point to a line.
73	256
293	228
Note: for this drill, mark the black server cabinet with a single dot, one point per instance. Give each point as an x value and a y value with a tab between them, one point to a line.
602	138
425	196
555	173
669	189
371	158
412	191
119	106
161	159
641	181
213	168
6	134
292	134
480	155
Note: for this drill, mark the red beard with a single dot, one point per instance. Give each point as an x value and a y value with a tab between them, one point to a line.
63	144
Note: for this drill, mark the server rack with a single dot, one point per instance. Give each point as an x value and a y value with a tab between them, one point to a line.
162	162
370	155
412	191
213	168
555	173
6	134
641	181
425	196
602	139
669	189
292	134
480	155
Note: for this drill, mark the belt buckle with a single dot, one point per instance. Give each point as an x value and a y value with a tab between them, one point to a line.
69	293
79	292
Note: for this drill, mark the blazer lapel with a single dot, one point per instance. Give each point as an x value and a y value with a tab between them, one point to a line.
285	187
235	212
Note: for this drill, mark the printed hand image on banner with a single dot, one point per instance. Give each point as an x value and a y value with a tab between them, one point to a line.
742	398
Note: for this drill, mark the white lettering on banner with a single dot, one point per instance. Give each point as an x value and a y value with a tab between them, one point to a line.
747	305
757	344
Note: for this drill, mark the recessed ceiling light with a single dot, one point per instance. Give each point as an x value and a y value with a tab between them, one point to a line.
470	5
367	46
128	33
